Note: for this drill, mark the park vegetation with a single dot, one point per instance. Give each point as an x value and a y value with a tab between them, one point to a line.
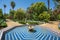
35	12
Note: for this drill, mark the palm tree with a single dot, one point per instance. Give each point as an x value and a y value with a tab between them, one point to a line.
4	8
48	5
57	0
13	4
57	3
4	11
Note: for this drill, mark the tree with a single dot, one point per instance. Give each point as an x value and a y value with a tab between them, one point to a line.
12	12
4	8
44	17
6	16
58	17
20	14
1	15
56	11
35	9
38	8
13	4
57	4
48	6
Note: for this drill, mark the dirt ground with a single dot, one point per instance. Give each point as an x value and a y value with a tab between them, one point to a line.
11	23
52	26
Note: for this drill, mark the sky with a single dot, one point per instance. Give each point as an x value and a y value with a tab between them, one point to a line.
24	4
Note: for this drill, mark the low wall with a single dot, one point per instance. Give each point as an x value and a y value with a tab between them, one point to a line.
1	33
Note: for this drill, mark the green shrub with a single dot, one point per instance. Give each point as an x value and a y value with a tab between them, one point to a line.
33	23
4	24
52	18
46	20
22	22
44	17
58	17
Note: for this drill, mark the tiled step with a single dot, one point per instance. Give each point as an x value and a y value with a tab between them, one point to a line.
7	37
43	37
58	38
40	36
25	35
21	35
54	38
49	37
15	36
19	38
46	37
12	36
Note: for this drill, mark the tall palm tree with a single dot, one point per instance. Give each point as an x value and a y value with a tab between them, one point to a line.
13	4
4	8
48	5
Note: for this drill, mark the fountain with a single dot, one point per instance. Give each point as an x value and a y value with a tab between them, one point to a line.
31	28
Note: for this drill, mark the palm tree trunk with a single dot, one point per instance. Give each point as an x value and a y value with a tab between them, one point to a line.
48	6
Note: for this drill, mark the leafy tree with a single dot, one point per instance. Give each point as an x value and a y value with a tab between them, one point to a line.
44	16
35	9
12	12
58	17
53	17
38	8
20	14
56	11
1	15
6	16
2	22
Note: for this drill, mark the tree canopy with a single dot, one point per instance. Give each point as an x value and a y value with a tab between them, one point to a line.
12	4
38	8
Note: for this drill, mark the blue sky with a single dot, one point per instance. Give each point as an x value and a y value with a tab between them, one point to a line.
24	4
